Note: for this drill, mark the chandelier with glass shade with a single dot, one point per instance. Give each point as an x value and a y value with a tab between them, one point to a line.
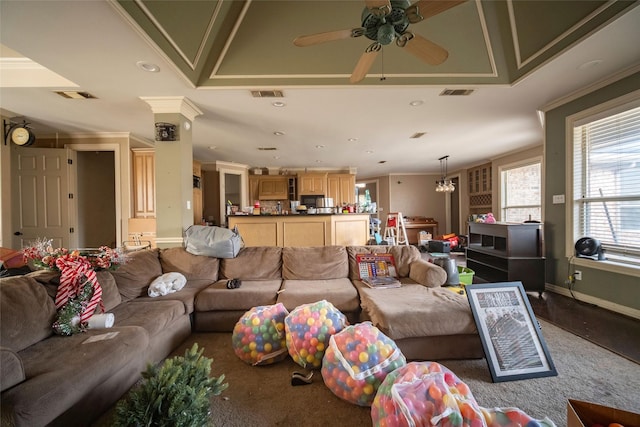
444	185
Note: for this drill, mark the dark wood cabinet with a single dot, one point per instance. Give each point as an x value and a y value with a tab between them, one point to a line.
505	252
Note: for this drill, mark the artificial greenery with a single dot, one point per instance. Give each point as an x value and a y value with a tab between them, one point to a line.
175	394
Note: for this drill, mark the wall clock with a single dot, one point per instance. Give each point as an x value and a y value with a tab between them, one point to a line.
20	135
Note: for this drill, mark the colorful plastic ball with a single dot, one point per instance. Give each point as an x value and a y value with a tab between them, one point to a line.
258	336
357	361
308	328
420	393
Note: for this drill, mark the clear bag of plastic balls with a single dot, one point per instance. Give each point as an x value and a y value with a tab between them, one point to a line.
308	328
357	362
424	394
259	337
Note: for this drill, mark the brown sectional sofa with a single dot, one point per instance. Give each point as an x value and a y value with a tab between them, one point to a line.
52	380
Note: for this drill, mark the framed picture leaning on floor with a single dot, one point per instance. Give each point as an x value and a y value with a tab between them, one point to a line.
511	337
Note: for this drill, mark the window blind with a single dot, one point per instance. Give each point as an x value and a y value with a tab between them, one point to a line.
606	168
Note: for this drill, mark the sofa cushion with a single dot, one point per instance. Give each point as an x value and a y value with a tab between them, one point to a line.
11	369
427	273
154	318
414	310
339	292
253	263
61	370
315	263
110	294
26	312
251	293
134	277
195	268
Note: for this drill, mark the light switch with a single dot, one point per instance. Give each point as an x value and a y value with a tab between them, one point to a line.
189	204
558	199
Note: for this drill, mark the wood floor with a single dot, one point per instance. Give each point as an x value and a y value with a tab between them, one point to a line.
614	331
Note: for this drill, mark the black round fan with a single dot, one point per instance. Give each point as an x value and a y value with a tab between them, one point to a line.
588	247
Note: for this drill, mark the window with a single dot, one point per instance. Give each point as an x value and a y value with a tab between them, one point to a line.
522	192
606	181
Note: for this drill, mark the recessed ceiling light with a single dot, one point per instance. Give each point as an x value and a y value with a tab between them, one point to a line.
278	104
319	146
276	157
212	147
352	139
148	66
590	64
278	133
416	102
318	161
369	152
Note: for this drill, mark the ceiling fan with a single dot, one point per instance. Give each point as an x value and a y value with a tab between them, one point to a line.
385	21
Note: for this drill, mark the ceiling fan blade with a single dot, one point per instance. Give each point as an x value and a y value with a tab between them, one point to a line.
424	9
378	4
365	62
329	36
428	51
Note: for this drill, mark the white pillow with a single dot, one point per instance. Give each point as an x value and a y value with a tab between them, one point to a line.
166	284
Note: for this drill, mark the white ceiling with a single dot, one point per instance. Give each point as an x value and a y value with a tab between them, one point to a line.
91	44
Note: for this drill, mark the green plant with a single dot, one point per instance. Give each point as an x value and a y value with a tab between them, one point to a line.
175	394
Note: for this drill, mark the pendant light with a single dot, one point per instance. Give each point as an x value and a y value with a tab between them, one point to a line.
444	185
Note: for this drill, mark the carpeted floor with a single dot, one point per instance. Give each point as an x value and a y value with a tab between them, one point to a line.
263	396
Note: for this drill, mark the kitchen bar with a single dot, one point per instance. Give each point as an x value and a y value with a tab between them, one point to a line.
302	229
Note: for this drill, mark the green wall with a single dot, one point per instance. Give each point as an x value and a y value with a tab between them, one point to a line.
619	289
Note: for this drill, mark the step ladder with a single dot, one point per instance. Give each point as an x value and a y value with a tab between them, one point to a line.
395	232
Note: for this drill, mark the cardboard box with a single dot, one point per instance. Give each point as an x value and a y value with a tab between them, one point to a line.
586	414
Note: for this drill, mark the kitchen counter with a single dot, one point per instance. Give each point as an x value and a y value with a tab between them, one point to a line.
302	229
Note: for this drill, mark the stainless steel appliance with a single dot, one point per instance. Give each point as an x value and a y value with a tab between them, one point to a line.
308	200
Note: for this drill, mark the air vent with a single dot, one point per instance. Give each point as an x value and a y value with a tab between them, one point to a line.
456	92
418	135
267	94
267	148
73	94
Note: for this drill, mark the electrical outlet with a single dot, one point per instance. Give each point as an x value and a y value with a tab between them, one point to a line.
577	275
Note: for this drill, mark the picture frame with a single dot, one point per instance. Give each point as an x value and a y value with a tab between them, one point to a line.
510	333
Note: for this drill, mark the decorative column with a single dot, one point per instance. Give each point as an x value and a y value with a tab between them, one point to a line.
173	118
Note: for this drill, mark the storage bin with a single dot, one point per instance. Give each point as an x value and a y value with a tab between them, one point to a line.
466	275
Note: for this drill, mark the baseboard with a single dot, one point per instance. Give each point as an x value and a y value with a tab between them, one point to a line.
611	306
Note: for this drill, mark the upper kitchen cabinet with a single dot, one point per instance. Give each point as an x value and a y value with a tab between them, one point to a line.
273	188
254	181
144	183
312	184
480	191
197	193
480	179
341	188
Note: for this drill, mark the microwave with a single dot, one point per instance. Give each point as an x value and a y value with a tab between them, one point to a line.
309	200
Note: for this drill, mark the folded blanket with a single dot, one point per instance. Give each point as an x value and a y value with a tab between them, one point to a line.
166	284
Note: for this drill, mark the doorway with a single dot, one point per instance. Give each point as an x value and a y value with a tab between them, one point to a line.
454	207
95	198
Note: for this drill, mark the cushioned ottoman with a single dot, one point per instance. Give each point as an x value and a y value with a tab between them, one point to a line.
426	323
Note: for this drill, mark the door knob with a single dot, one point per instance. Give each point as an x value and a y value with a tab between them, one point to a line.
17	233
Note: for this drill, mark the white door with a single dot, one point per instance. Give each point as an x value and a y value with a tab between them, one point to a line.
40	196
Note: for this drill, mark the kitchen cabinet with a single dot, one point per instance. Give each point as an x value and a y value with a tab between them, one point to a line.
480	189
197	193
341	188
480	179
506	252
254	180
312	184
144	183
273	188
